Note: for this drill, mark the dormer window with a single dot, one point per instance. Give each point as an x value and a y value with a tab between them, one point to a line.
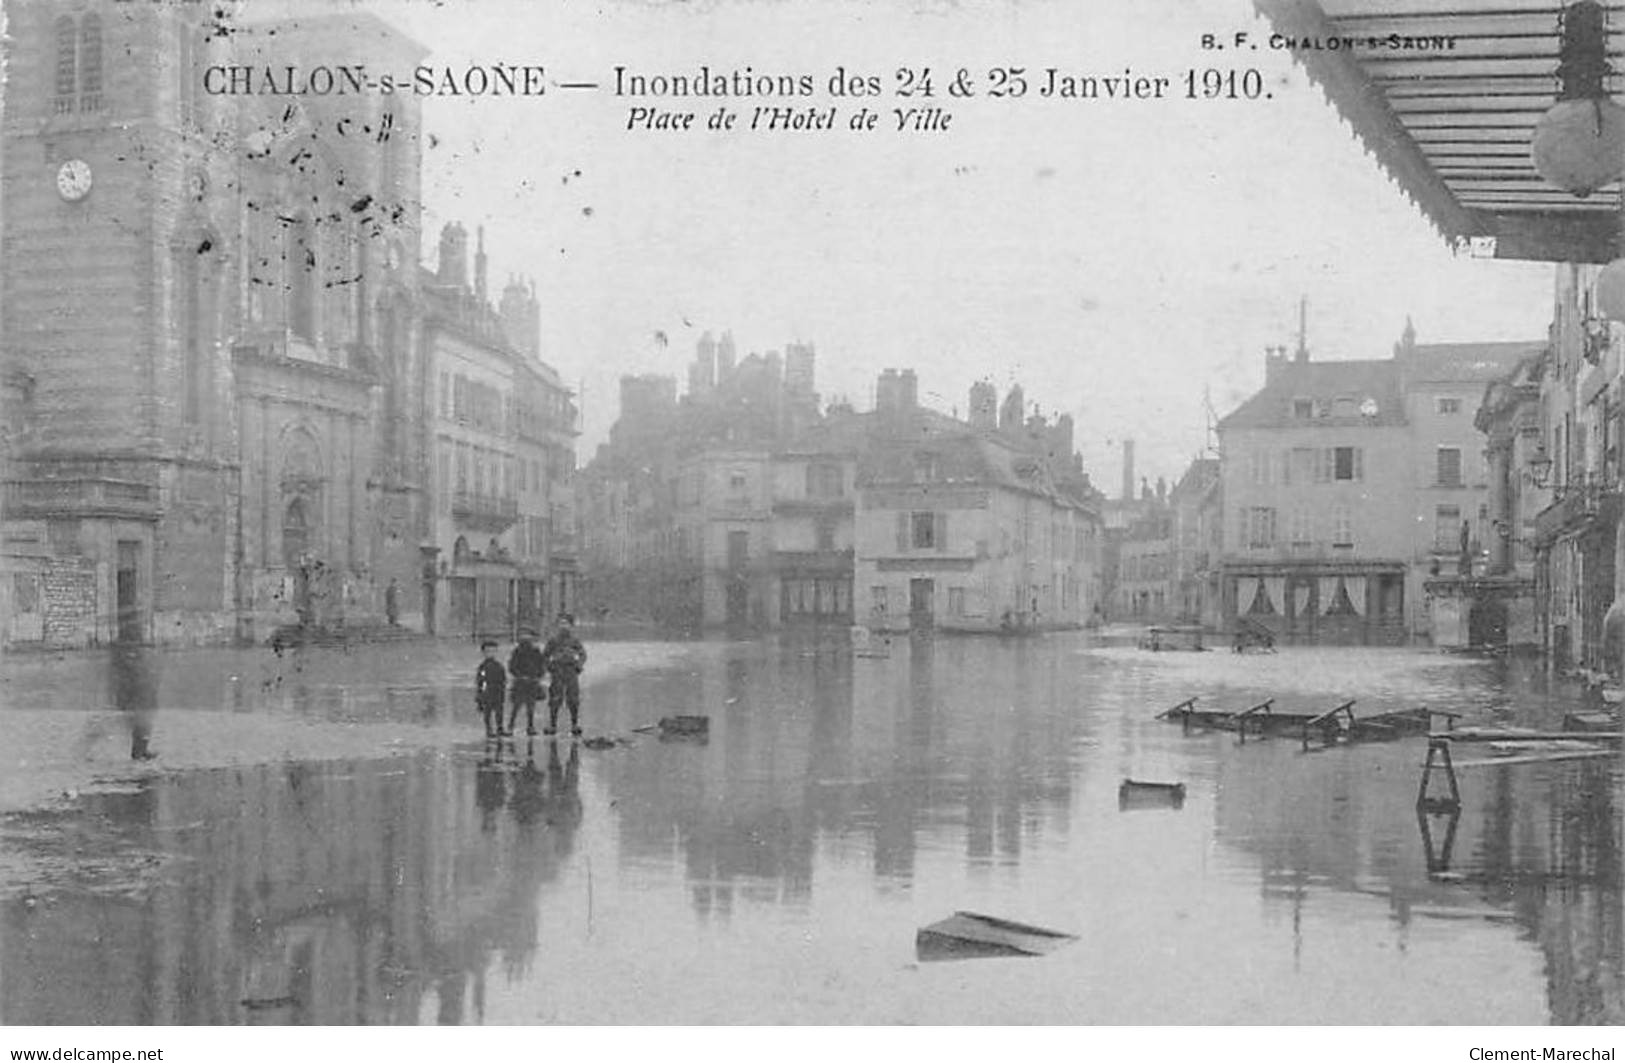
1303	409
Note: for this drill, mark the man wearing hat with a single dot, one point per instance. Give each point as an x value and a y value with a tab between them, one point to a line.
565	657
526	665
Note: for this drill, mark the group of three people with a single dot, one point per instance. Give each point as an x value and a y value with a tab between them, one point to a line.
560	661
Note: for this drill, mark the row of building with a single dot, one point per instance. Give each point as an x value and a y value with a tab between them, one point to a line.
233	400
1463	494
744	503
1350	502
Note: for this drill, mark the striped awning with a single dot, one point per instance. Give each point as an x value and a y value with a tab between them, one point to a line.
1446	94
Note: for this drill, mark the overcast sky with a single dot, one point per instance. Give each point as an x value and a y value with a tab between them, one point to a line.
1115	258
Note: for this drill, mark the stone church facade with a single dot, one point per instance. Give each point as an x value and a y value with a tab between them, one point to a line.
210	356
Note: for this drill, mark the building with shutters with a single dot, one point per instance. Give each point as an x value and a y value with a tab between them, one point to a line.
501	427
985	525
714	510
1347	485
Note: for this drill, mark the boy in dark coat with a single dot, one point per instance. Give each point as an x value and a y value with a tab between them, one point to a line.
490	684
565	657
527	666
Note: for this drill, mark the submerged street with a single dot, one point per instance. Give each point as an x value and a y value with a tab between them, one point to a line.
324	837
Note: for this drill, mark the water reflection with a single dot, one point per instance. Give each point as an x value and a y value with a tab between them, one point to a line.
791	848
134	675
338	893
811	746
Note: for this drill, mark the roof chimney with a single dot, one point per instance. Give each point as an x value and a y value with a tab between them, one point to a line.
453	270
1302	353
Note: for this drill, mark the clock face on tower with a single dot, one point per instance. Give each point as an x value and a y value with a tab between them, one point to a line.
73	179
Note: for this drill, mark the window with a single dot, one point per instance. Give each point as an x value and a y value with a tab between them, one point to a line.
1261	471
1303	409
736	482
1302	527
1447	528
1302	462
956	601
826	535
1261	527
738	548
923	531
1342	528
1448	467
1447	405
1346	463
877	596
1345	406
77	77
67	64
90	63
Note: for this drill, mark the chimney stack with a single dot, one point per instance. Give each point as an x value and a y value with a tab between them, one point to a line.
453	270
897	391
1012	413
984	405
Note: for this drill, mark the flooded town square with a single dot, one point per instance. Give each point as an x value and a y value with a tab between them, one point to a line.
325	837
818	513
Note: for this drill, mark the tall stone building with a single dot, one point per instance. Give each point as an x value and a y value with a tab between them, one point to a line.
501	428
208	348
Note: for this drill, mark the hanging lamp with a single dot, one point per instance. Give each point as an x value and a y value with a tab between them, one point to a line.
1579	144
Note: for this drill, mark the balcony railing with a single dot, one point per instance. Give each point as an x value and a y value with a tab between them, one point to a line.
837	504
80	497
485	512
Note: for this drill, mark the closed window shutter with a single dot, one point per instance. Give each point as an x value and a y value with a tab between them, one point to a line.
940	530
902	531
1359	463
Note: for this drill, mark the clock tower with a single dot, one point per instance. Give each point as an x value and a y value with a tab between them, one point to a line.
193	401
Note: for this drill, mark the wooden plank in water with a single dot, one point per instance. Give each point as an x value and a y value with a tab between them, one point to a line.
1512	735
1536	758
968	935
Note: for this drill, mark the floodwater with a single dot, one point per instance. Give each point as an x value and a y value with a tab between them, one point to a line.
324	838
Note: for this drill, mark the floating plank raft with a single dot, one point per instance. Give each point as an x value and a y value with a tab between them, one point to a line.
1338	724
